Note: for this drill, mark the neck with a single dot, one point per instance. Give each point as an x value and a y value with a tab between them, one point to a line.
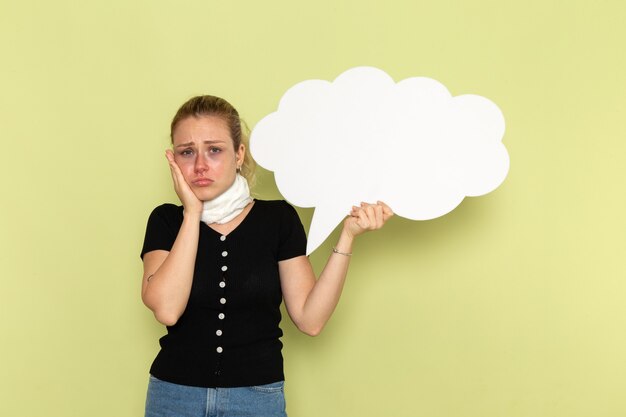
229	204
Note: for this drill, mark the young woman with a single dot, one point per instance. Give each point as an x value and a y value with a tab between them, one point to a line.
217	268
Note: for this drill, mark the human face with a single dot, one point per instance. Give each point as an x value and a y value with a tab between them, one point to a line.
204	152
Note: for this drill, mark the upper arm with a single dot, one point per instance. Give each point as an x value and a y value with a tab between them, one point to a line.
161	231
297	279
152	261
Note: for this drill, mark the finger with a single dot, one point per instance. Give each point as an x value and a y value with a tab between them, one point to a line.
374	215
363	220
170	158
180	183
387	212
172	164
371	215
378	213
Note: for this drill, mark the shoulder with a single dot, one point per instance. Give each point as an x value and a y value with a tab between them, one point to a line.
281	218
168	213
279	215
278	208
163	225
276	204
167	209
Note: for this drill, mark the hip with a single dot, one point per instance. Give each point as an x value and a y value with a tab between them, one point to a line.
166	399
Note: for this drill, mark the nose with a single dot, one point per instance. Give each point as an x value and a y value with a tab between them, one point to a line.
200	164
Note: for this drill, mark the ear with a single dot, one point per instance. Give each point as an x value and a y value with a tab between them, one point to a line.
240	154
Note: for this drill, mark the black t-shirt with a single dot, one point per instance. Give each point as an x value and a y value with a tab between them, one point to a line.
228	335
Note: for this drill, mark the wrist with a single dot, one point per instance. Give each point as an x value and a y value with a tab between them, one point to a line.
338	252
194	216
347	231
345	242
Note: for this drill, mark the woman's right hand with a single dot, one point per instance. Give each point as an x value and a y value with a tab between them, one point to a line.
191	203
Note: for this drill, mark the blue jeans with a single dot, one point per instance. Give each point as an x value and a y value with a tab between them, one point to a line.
166	399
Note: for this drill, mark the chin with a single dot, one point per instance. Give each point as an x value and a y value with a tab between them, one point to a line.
206	195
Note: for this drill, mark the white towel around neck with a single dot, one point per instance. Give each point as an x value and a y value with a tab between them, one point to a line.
227	205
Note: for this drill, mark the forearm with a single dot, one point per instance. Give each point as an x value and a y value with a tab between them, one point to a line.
324	296
311	302
166	290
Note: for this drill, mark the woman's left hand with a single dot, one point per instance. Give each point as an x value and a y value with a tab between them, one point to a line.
367	217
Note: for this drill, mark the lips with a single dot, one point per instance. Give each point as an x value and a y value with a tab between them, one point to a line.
202	182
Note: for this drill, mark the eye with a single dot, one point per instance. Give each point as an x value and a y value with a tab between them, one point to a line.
214	149
186	152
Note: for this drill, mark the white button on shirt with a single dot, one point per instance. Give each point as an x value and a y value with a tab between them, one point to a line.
222	284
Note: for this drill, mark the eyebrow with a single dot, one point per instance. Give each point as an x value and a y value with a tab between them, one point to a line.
206	142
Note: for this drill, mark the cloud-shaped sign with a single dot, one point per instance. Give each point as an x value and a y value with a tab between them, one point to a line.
364	137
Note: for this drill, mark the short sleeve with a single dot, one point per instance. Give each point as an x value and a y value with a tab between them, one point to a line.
163	226
292	236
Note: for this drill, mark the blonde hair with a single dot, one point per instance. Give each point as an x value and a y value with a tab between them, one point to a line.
215	106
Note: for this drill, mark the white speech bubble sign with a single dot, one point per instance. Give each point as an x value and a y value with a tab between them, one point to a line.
364	137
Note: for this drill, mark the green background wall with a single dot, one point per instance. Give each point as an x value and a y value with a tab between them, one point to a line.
511	305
